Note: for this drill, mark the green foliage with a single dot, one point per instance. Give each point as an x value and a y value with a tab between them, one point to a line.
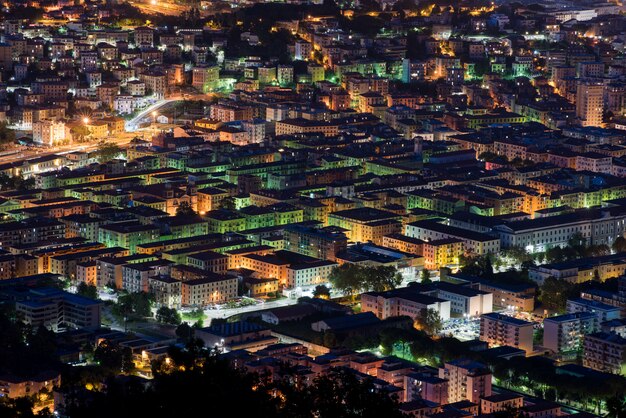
619	245
321	291
87	290
167	315
7	136
479	266
16	182
114	357
354	278
194	316
23	350
134	305
425	277
184	332
193	386
107	151
185	210
80	132
21	407
228	203
429	321
555	292
616	406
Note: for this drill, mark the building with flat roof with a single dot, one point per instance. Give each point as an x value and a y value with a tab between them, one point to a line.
467	380
602	311
210	289
473	242
230	336
605	352
407	301
57	310
565	333
497	329
366	224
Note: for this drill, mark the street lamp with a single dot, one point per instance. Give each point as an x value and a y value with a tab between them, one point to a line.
85	120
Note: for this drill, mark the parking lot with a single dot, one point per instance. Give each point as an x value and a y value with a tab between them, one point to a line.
462	328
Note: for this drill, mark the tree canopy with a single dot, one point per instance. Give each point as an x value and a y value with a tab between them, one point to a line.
354	278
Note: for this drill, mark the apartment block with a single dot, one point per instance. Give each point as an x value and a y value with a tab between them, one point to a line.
467	380
497	329
605	352
565	333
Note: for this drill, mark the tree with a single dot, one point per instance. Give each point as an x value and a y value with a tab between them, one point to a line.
87	290
555	293
597	250
429	321
354	278
107	151
80	132
425	276
134	305
228	203
321	291
616	407
577	240
347	278
380	278
114	357
7	136
184	209
330	339
167	315
184	332
619	245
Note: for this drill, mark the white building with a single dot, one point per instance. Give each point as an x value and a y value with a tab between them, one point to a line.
48	132
465	300
124	105
602	311
309	274
601	226
403	302
564	333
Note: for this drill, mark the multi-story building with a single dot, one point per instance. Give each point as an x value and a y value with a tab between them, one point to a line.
309	274
597	226
366	224
464	300
208	290
565	333
467	380
498	329
425	386
403	302
322	243
166	291
135	276
206	78
501	402
590	102
49	132
57	310
602	311
474	242
127	235
605	352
